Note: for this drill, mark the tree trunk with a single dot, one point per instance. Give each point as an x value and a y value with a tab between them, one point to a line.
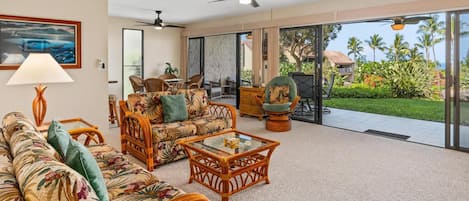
299	65
374	54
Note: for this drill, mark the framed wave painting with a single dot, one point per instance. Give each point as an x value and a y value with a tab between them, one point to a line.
20	36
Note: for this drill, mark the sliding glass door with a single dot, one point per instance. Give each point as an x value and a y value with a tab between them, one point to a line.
196	56
301	59
460	90
132	58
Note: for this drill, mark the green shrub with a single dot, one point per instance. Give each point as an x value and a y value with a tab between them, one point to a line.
409	79
361	91
286	67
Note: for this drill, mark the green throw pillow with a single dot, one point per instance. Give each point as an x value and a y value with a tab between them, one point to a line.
81	160
58	137
174	108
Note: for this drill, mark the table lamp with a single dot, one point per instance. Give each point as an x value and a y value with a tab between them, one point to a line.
39	68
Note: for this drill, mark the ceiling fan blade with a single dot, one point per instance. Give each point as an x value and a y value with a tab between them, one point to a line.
415	20
174	26
215	1
380	20
146	24
254	3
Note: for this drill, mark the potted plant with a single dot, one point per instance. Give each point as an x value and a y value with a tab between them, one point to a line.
170	70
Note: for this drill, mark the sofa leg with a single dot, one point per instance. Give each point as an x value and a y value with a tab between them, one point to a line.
149	159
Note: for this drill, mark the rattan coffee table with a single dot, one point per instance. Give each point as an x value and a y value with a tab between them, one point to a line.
230	161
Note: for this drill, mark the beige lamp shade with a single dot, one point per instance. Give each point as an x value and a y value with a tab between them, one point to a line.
39	68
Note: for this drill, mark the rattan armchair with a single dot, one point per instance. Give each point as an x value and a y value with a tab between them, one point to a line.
155	84
137	83
195	81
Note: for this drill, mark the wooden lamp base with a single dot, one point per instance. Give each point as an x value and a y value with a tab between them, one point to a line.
39	104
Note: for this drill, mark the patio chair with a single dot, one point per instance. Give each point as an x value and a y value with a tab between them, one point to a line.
280	100
305	85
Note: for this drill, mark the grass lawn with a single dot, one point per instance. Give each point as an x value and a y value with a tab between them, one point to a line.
401	107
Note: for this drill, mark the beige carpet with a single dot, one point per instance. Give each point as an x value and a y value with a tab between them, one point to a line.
320	163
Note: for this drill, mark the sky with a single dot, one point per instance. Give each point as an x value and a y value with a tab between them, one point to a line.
363	31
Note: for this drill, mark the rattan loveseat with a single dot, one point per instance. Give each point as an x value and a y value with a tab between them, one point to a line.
146	137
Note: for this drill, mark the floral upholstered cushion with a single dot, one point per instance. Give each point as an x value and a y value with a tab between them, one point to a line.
196	101
121	176
168	151
14	121
209	124
149	105
40	173
176	130
8	185
279	94
154	106
160	191
136	103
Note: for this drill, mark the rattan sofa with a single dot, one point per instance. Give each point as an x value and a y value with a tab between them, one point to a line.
146	137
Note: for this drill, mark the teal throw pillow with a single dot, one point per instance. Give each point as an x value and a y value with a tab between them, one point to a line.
174	108
81	160
58	137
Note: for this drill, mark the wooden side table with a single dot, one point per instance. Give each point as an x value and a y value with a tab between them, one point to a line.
248	104
77	127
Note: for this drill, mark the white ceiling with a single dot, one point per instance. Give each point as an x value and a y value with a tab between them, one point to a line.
187	11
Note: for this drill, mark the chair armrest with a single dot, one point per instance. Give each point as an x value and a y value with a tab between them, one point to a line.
191	197
294	103
91	134
136	137
260	100
221	110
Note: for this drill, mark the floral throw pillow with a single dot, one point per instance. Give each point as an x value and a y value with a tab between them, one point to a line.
154	106
279	94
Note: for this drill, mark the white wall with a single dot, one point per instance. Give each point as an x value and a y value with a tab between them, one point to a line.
87	96
159	46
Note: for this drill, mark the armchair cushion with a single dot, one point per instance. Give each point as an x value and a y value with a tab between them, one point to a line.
279	94
81	160
276	107
174	108
281	81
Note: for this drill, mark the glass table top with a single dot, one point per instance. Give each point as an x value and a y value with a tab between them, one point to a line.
75	124
229	144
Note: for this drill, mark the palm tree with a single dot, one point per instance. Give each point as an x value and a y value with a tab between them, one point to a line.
376	42
436	30
398	48
415	55
425	42
355	47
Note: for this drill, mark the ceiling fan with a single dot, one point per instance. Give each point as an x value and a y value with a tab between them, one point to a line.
159	24
253	3
399	22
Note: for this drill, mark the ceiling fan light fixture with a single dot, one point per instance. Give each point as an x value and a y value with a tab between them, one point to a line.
246	2
158	27
397	27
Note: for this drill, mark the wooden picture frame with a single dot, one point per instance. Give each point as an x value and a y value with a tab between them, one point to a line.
20	36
